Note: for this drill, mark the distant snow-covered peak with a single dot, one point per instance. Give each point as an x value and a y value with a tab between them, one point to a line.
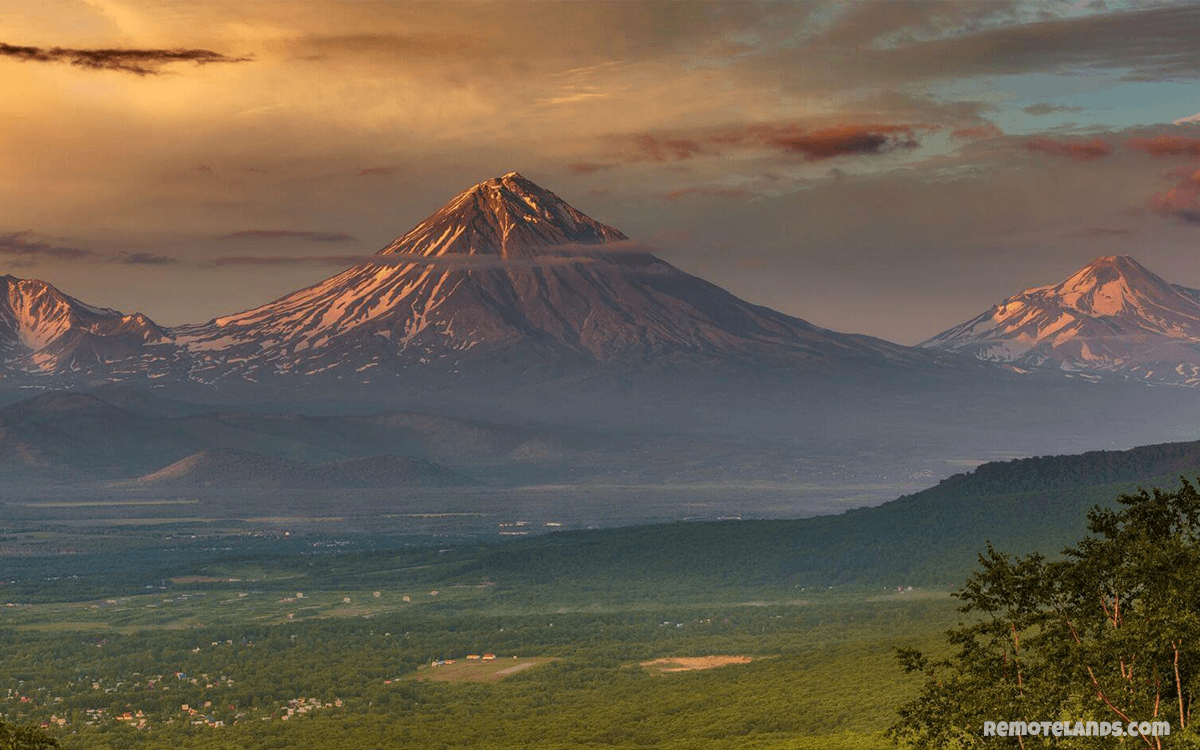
45	331
1112	316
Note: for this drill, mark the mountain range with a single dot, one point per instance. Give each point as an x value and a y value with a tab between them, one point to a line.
508	276
505	275
510	338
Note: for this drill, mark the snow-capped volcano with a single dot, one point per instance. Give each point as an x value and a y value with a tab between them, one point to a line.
45	331
1112	317
507	272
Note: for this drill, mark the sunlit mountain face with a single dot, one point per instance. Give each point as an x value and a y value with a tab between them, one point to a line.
50	334
1113	317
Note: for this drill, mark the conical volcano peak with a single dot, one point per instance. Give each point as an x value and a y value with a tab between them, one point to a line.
1113	266
1116	261
508	274
522	199
1110	284
512	181
509	216
514	185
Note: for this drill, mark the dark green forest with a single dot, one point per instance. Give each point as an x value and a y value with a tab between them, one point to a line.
1104	635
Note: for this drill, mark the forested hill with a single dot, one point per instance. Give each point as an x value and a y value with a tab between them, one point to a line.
930	538
1058	472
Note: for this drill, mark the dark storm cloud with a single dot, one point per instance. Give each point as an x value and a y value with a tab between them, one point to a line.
288	234
141	62
1079	150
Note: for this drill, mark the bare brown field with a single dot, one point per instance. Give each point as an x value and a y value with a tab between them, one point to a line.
480	671
692	663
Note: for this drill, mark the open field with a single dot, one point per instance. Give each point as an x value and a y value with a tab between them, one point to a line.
691	663
463	670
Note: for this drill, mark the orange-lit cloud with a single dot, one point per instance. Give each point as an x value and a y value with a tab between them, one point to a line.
825	143
1079	150
977	132
1167	145
845	140
1182	203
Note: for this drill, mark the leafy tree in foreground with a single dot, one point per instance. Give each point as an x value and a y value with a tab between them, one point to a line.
1109	633
24	738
